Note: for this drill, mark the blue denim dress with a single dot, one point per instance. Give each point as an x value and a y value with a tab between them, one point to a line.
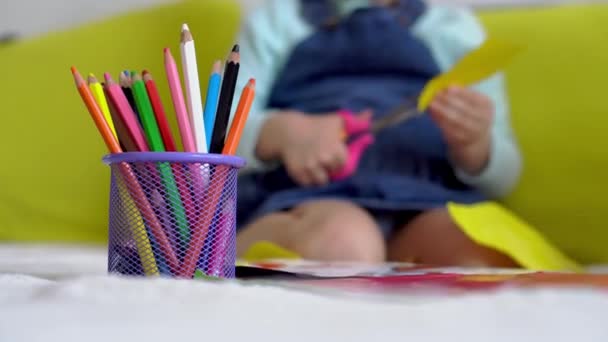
369	59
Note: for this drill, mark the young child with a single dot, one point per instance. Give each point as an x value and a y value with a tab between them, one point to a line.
312	58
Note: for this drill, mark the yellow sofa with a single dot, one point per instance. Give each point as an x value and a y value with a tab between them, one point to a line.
54	187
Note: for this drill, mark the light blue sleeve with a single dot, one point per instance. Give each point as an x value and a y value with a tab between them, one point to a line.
451	33
266	38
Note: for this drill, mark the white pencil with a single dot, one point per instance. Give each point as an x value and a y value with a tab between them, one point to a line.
193	89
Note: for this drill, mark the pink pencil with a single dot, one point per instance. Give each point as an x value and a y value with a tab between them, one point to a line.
179	104
120	102
197	175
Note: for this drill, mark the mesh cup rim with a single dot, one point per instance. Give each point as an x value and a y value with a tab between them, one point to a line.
174	157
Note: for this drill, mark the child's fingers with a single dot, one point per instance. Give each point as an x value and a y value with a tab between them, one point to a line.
455	126
457	101
316	173
472	98
294	165
334	157
474	117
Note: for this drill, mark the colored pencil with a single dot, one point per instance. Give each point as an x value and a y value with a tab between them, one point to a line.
221	225
124	80
219	254
100	97
201	228
159	112
165	131
151	129
179	105
146	113
141	238
193	89
240	118
96	114
211	100
120	102
136	222
126	143
224	107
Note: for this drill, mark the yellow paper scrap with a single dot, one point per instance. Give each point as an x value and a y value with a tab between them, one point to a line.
489	224
265	250
479	64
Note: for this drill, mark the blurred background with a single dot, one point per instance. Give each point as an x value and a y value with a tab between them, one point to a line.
22	18
54	187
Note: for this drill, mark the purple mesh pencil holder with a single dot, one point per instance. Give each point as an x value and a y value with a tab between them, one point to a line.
172	214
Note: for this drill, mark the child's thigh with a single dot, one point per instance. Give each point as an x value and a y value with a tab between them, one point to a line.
331	230
434	238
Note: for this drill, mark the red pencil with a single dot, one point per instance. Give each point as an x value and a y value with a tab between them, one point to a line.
159	113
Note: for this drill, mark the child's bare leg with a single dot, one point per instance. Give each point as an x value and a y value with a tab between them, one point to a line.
433	238
327	230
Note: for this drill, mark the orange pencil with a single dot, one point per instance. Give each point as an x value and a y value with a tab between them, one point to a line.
133	187
240	118
96	113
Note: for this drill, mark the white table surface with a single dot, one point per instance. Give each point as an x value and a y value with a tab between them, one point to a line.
62	293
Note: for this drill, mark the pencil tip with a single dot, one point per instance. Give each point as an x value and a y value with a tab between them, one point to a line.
147	76
236	48
185	27
107	77
166	50
217	67
252	82
145	72
74	71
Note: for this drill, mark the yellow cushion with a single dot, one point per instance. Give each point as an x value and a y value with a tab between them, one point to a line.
53	185
558	90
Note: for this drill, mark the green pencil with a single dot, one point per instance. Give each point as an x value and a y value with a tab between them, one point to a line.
142	101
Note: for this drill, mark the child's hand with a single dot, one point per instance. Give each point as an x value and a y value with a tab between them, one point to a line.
310	146
465	118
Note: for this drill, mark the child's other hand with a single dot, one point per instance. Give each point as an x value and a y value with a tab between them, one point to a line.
310	146
465	119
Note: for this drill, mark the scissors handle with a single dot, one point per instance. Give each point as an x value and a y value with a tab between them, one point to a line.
356	148
359	130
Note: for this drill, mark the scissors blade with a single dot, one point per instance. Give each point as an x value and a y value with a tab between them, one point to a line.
404	112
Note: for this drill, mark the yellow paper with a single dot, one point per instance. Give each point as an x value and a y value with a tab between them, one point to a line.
491	225
265	250
479	64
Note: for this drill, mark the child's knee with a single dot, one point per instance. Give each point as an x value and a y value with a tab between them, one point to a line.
344	233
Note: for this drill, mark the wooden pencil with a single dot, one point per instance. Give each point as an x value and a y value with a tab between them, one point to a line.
177	97
124	80
159	112
240	118
100	97
211	100
96	113
193	89
124	138
224	107
118	99
141	239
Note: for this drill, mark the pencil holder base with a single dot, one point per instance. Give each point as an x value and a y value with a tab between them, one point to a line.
172	214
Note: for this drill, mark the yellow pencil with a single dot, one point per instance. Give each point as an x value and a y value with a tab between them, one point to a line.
100	98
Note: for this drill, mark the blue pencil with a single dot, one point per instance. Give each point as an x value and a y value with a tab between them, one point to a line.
213	93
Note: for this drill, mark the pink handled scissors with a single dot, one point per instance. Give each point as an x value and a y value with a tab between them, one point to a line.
360	134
